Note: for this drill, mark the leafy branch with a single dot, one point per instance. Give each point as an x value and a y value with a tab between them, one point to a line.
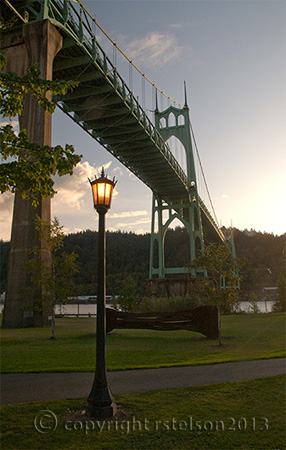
55	281
13	88
33	165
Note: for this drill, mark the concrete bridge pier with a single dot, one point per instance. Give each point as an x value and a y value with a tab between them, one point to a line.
36	43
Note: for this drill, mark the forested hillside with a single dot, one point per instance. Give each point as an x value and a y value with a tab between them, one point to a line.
128	253
265	258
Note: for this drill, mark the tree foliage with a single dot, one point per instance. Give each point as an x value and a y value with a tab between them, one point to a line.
128	253
56	282
264	254
219	288
222	269
280	304
32	165
128	297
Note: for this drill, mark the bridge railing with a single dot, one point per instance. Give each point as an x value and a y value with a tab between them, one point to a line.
210	218
77	25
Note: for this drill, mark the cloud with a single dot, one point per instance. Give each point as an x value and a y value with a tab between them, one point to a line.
118	171
154	50
133	224
72	189
225	196
6	204
105	167
14	123
141	231
67	230
127	214
175	25
131	175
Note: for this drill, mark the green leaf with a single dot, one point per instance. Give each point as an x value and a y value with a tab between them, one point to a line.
34	165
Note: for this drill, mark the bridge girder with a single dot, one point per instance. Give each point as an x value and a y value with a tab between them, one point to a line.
108	104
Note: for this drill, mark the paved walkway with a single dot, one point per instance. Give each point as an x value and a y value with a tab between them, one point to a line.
34	387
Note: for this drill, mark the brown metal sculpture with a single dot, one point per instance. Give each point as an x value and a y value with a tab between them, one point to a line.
203	319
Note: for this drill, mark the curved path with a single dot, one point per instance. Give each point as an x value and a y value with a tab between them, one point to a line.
35	387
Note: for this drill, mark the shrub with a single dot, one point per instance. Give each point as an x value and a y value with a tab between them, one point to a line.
128	298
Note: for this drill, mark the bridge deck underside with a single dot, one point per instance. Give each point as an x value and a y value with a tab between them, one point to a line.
107	111
103	105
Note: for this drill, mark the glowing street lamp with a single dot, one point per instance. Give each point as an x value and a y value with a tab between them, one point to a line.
100	400
102	189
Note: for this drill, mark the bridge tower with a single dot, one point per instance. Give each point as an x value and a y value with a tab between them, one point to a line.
32	43
187	212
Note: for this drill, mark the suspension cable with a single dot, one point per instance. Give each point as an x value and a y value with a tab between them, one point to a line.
203	174
143	92
125	56
114	55
130	76
157	88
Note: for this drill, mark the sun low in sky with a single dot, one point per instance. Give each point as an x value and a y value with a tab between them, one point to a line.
232	57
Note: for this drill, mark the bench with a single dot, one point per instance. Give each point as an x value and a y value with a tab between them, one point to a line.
203	319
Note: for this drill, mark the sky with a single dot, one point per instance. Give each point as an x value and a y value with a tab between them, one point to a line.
231	54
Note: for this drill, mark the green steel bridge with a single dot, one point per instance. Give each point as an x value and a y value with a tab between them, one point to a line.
107	109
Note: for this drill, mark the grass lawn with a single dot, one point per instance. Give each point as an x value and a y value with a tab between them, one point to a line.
245	337
238	415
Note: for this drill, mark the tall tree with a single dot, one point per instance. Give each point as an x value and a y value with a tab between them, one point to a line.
56	283
128	295
280	303
220	287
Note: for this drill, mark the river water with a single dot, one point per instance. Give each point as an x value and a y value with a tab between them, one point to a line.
90	309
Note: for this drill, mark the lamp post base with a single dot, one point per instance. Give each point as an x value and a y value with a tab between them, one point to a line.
101	412
100	402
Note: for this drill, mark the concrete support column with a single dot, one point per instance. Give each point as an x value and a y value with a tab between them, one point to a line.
161	240
38	43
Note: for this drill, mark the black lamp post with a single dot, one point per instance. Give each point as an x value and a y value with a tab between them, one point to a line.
100	400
